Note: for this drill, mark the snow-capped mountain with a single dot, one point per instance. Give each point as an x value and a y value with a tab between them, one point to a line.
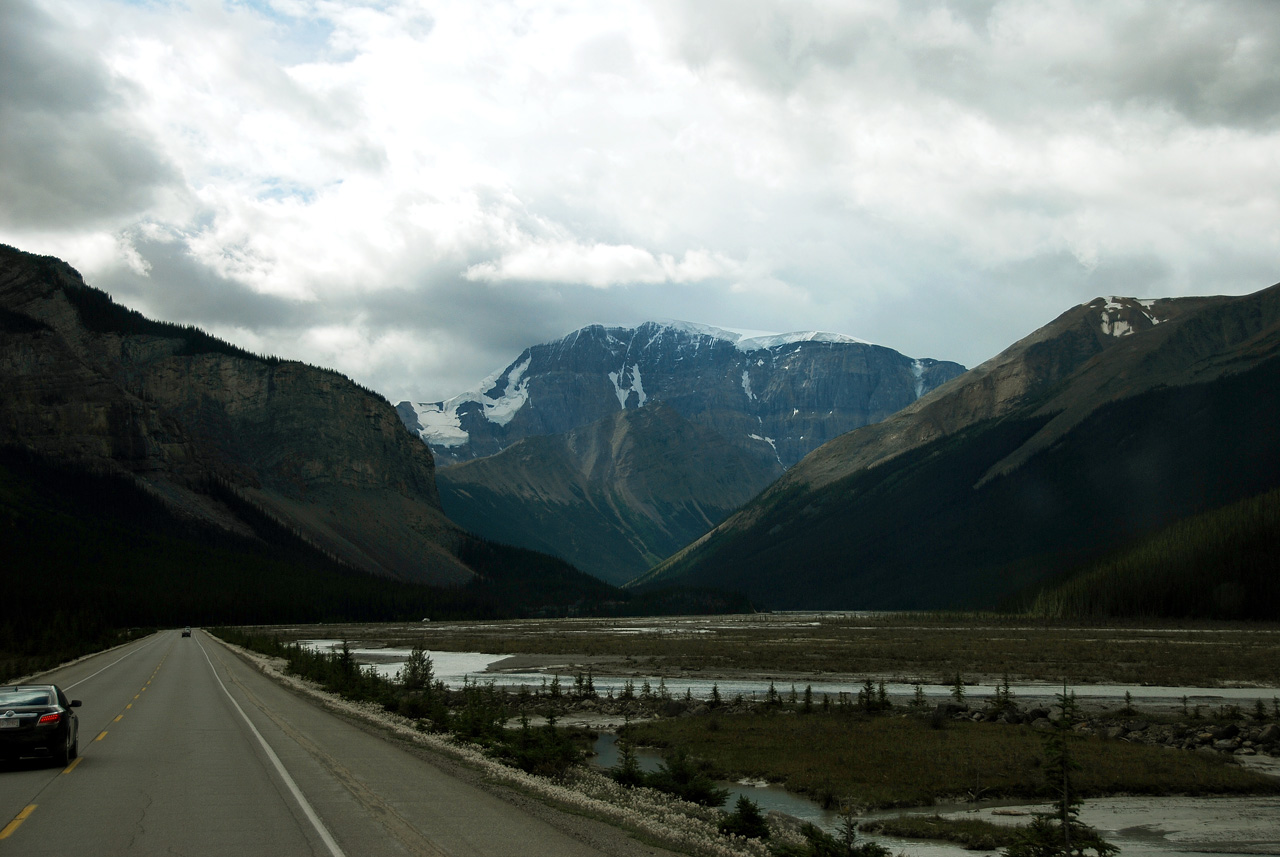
786	394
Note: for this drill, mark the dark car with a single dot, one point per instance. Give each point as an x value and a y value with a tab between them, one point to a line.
186	632
37	720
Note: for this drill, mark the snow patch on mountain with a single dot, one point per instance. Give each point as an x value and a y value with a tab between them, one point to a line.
636	384
746	384
439	423
773	443
502	409
1111	322
757	343
758	340
618	391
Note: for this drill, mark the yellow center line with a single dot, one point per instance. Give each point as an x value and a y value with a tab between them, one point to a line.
119	717
69	768
17	822
100	737
130	705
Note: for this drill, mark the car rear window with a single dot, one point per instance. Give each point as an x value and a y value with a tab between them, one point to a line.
13	699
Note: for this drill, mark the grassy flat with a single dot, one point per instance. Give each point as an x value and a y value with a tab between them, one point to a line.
904	761
927	647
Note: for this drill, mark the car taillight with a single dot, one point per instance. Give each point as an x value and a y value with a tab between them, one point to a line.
49	719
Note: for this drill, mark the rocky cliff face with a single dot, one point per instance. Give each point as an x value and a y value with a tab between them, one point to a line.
85	380
613	497
781	395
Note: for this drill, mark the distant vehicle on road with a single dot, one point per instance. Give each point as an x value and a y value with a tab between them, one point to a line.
37	720
186	632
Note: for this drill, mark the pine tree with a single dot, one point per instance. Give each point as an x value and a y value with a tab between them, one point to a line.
418	671
746	820
1060	833
867	696
627	772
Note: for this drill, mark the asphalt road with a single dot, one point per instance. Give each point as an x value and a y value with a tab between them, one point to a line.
187	750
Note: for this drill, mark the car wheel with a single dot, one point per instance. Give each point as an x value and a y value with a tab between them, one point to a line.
63	756
75	748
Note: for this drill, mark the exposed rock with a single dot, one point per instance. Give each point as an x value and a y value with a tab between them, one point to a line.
783	396
614	497
94	383
1227	730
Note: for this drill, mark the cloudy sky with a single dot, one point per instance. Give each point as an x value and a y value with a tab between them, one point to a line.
412	191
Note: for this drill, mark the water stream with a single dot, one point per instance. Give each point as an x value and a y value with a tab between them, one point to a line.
453	667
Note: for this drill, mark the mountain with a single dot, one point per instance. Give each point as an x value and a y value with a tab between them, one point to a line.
781	395
1114	420
613	497
85	380
614	447
151	474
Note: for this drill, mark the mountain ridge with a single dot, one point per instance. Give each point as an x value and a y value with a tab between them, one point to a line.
782	393
1063	384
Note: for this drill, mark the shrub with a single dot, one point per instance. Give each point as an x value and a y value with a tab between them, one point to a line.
746	820
681	777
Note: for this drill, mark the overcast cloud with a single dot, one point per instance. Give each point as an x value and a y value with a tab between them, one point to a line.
413	191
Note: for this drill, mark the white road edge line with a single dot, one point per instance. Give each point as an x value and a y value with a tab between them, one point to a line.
323	831
113	663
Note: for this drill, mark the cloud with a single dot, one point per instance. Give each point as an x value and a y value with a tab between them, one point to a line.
601	265
414	194
70	151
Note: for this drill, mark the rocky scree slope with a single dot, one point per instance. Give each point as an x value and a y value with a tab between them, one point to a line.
86	381
1115	419
613	497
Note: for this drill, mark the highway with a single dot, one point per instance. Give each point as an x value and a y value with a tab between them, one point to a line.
187	750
